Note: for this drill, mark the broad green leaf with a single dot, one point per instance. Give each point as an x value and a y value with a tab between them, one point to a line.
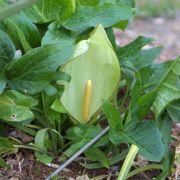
124	23
72	150
47	10
58	107
145	102
41	137
7	50
130	51
43	158
174	111
15	106
83	131
95	154
34	71
145	135
146	57
56	34
41	142
132	56
86	17
100	65
152	75
25	34
165	124
133	108
169	88
79	136
113	116
148	138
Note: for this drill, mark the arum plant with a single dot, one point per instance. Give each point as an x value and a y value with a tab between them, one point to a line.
82	97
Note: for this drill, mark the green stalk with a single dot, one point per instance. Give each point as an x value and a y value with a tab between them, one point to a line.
128	162
144	168
53	138
30	148
25	129
14	8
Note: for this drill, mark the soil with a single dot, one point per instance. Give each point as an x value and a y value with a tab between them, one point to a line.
165	32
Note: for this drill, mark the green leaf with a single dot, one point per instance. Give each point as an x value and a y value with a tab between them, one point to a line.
2	83
16	106
7	50
72	149
79	136
95	154
124	23
9	10
58	107
127	2
7	146
148	138
113	116
34	71
133	57
111	36
47	10
112	161
165	125
168	89
133	109
83	131
146	57
56	34
25	34
100	64
131	51
3	164
152	75
174	111
86	17
2	4
41	142
145	102
87	2
145	135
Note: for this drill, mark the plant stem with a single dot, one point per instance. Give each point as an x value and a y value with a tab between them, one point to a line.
31	148
144	168
25	129
53	137
14	8
128	162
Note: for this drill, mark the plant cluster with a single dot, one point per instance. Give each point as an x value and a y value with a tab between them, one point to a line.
63	79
